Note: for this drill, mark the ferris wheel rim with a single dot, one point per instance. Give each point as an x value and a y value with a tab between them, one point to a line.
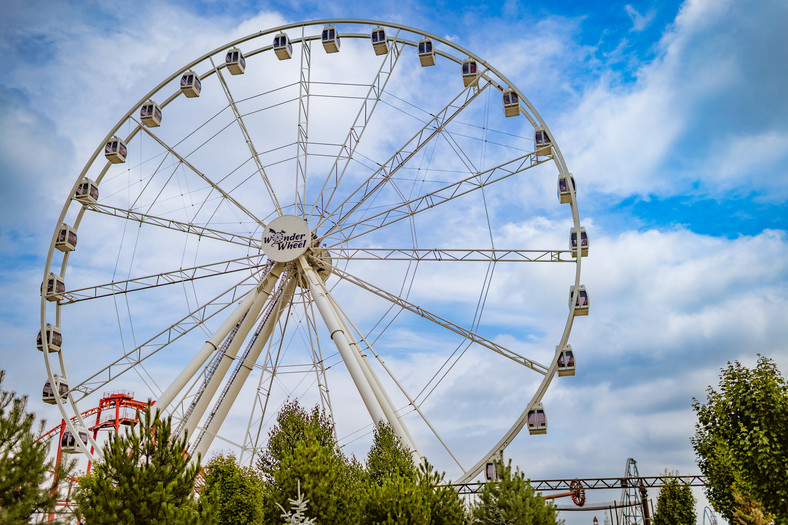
557	158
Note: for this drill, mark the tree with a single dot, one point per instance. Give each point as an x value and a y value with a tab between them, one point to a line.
388	457
398	492
144	476
302	453
740	439
235	492
675	505
24	485
512	501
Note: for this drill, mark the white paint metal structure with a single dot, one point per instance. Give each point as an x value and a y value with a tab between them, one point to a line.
346	228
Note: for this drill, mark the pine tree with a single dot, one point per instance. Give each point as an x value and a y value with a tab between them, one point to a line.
398	492
236	492
512	501
302	452
675	505
145	477
25	487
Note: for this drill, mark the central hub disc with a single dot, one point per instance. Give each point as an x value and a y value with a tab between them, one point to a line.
286	238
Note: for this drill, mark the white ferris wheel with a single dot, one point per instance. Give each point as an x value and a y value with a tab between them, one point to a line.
355	214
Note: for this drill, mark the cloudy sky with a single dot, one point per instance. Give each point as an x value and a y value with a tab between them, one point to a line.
672	116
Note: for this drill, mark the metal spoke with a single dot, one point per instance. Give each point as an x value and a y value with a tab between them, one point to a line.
200	174
172	224
450	255
356	131
387	170
135	356
304	88
162	279
248	139
407	209
440	321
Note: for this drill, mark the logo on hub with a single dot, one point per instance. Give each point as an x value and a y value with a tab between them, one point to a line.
286	238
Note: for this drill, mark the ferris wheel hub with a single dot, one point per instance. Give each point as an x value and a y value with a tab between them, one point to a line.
286	238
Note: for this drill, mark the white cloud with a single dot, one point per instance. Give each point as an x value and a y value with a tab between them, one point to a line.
690	110
639	21
668	307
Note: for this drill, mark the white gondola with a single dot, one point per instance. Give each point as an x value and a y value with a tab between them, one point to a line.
566	362
490	472
537	420
282	46
115	150
581	300
190	84
87	192
542	143
426	52
565	180
68	444
511	103
54	339
150	113
235	61
53	288
470	72
49	394
583	242
330	38
379	43
66	239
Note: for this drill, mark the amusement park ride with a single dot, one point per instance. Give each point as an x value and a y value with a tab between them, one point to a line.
269	221
281	222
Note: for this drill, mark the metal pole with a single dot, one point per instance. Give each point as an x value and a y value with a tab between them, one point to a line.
263	293
205	352
220	412
380	394
340	337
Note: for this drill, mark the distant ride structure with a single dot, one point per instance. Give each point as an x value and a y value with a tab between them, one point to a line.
275	222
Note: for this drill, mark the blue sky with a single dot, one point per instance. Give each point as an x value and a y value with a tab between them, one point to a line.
672	115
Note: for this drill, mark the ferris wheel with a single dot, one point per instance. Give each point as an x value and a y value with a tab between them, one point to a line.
355	214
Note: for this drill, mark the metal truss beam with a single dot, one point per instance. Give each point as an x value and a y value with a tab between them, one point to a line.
171	224
161	279
453	254
593	483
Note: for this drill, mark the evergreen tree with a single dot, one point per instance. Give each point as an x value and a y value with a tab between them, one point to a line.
740	440
388	457
25	487
398	492
675	505
303	454
512	501
235	492
144	477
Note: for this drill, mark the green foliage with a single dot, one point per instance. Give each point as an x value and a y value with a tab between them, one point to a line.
397	492
303	454
748	512
294	425
143	477
512	501
446	506
675	505
235	492
388	457
303	457
398	499
24	486
417	498
740	440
